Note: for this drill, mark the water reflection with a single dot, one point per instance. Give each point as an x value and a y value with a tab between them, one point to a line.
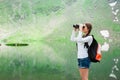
114	69
113	75
55	59
112	4
105	46
17	44
115	12
116	19
105	33
33	60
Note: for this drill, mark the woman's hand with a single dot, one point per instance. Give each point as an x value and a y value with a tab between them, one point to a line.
75	29
80	28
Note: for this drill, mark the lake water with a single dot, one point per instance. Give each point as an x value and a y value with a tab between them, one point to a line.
35	38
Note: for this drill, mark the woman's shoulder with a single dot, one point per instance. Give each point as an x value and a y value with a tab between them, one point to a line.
90	37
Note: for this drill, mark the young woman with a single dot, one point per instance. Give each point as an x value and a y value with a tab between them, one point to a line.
83	41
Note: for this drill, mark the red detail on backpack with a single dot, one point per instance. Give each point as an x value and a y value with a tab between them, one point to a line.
99	55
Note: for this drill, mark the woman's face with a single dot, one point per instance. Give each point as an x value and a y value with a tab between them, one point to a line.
85	29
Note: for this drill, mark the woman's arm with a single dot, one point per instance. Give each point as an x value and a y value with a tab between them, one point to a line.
73	37
79	37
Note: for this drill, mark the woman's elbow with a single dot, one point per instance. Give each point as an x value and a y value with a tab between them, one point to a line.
72	39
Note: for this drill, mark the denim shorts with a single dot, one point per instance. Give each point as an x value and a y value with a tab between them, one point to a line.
84	62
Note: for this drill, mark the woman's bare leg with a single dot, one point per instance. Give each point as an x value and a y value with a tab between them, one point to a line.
84	73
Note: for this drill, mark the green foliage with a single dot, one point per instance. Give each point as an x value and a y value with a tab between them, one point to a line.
46	25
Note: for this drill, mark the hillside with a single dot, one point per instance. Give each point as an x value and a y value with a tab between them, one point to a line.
46	25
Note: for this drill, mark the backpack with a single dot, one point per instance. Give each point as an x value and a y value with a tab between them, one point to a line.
94	51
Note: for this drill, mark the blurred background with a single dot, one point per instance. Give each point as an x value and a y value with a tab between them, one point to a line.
35	38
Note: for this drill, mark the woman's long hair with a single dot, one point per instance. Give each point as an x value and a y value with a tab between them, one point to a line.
89	27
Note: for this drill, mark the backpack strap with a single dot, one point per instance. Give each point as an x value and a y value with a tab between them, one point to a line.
92	36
